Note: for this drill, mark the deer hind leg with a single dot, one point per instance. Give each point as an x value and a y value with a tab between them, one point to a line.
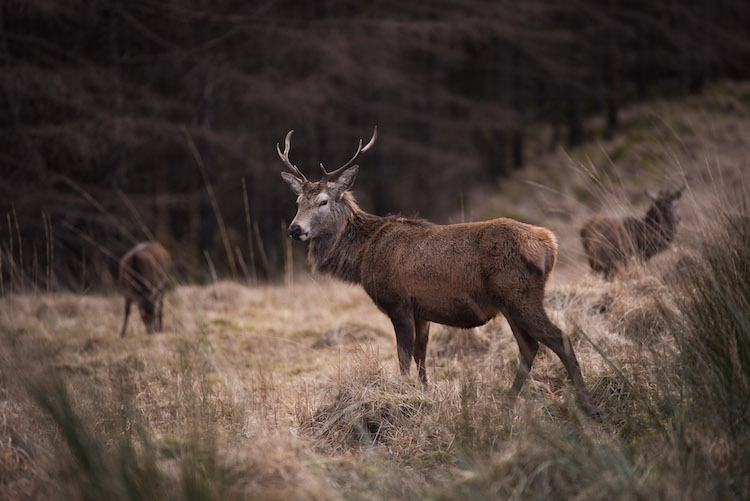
528	347
538	325
403	324
159	312
422	330
128	303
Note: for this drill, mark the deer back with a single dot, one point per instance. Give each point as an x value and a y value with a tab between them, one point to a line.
432	261
143	270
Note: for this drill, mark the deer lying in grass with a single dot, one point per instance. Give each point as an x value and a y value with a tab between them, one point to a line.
417	272
610	243
143	276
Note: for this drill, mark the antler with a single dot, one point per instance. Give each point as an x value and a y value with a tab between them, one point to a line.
285	156
360	149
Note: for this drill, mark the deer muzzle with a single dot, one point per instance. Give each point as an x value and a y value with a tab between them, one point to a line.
295	231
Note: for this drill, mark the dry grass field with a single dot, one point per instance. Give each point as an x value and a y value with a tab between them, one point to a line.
293	392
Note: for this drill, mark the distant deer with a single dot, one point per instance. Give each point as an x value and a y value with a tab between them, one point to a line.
143	276
417	272
610	243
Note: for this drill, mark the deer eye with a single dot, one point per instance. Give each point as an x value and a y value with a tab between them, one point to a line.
324	202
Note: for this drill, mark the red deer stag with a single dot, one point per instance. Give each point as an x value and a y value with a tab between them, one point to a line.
417	272
143	275
610	243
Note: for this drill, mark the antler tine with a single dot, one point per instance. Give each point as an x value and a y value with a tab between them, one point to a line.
285	156
372	139
360	149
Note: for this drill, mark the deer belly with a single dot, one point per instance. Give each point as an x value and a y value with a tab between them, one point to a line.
459	313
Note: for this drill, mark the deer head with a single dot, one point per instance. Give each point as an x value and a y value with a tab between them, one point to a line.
664	205
320	209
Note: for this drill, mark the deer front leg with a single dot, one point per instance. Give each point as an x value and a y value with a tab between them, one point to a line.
422	331
128	303
403	324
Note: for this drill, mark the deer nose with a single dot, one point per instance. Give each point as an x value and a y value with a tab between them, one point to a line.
295	231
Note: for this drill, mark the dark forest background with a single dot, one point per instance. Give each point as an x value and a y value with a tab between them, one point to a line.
127	120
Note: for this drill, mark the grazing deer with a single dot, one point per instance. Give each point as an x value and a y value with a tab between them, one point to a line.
143	275
417	272
610	243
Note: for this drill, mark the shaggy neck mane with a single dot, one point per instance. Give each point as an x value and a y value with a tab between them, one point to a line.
340	253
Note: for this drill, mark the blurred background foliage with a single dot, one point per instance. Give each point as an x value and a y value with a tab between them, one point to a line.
121	119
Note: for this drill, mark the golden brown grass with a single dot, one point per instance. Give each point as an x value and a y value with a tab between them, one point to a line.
299	385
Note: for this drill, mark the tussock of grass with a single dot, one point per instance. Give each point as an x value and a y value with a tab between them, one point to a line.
181	445
553	462
364	406
710	321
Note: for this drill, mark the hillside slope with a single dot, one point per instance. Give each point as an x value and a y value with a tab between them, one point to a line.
702	141
292	392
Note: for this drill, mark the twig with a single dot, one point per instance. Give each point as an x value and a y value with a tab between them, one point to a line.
20	242
212	270
261	248
135	214
10	235
98	206
249	231
241	260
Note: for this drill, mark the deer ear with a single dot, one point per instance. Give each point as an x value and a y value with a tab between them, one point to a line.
293	181
345	181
